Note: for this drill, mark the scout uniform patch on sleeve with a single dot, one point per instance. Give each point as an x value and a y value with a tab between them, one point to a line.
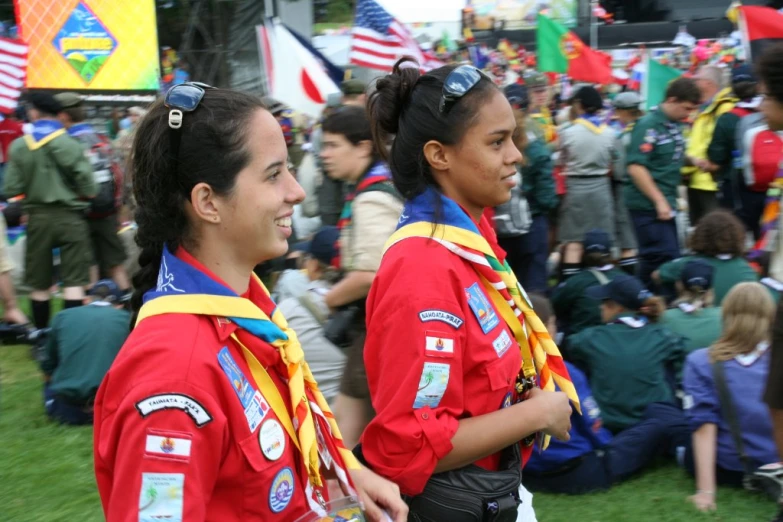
442	316
438	344
168	445
252	401
432	385
175	401
161	497
482	308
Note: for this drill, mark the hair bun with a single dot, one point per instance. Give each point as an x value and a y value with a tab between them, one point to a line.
392	94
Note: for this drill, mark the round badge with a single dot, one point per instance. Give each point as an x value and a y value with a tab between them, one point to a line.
282	490
271	437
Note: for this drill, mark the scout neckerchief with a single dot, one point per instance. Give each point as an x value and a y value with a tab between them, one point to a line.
454	229
592	122
43	132
183	288
544	118
769	220
377	173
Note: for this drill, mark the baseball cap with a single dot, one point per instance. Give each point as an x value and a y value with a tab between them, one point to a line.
517	96
106	290
743	73
627	100
353	86
597	241
68	99
697	274
536	80
625	290
44	102
323	245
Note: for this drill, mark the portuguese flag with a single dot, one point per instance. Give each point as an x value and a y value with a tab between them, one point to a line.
560	50
760	27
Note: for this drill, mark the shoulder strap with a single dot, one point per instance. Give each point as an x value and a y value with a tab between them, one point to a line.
599	275
730	414
308	303
383	186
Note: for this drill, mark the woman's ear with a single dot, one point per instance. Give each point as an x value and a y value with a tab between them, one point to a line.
204	203
435	154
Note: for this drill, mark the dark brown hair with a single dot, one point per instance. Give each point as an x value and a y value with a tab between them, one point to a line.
683	90
770	71
719	232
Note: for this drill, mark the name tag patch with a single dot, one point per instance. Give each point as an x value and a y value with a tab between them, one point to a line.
502	343
482	308
426	316
432	385
162	497
168	445
438	344
252	401
178	401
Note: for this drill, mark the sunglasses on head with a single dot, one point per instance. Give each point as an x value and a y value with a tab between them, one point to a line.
458	83
180	99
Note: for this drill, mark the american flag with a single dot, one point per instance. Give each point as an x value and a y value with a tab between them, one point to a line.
13	72
378	40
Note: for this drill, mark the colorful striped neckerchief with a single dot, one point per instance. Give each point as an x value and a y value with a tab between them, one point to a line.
184	288
593	122
377	173
769	219
434	216
43	132
544	118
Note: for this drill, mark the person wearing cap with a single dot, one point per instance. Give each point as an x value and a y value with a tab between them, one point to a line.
307	313
719	239
630	359
107	248
742	353
574	308
703	178
654	158
53	172
693	314
593	459
525	237
81	346
354	92
626	106
538	87
587	152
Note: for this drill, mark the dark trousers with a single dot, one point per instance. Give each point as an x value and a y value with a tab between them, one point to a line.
663	428
657	240
61	411
751	207
527	255
701	203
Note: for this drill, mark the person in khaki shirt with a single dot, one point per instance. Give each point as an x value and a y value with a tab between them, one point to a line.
370	215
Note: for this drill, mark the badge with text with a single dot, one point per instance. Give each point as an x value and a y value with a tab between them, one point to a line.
438	344
442	316
252	401
502	343
432	385
482	308
161	497
271	438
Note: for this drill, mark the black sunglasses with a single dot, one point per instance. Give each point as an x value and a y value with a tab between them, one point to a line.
458	83
182	98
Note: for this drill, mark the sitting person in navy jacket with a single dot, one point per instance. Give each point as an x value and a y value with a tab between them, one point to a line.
593	459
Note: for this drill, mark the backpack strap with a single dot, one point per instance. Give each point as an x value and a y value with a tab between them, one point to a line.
599	275
730	415
308	303
384	186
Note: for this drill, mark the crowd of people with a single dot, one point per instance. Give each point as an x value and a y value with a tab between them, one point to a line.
466	284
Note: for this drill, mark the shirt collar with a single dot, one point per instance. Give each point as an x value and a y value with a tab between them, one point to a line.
747	359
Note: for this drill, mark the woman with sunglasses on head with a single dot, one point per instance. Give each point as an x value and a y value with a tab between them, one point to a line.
210	412
450	334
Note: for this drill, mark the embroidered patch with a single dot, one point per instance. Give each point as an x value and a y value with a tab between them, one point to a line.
282	490
168	445
252	401
271	438
646	148
177	401
432	385
482	308
426	316
507	400
502	343
650	136
162	497
438	344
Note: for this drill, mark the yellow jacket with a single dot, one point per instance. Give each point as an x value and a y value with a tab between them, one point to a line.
701	136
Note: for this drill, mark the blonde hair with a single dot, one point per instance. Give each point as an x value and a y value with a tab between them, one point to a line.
748	315
696	296
653	308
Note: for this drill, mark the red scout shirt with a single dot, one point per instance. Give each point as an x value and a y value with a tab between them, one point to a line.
181	433
437	351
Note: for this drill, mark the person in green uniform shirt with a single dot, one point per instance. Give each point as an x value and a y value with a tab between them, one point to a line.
693	315
630	359
719	239
53	172
573	307
655	156
538	111
82	345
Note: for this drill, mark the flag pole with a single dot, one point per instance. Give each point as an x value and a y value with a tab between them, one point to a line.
593	25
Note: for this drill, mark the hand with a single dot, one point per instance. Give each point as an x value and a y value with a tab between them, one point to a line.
703	500
558	412
663	210
378	494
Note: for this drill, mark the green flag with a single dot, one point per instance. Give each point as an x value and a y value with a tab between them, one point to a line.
549	49
656	80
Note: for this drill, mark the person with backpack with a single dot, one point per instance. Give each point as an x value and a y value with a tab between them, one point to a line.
107	247
54	173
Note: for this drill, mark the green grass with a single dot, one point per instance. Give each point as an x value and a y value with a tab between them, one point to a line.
46	472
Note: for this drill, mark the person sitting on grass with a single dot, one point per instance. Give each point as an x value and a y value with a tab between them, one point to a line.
630	359
719	239
739	362
693	315
81	347
593	459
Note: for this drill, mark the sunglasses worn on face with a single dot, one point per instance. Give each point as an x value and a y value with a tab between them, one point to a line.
182	98
458	83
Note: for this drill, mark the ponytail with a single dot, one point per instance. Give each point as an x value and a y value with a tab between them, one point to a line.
653	308
145	279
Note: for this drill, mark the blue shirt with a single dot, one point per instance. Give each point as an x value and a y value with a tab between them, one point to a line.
587	431
746	377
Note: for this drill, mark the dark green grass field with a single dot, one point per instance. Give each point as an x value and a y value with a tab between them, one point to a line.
46	471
